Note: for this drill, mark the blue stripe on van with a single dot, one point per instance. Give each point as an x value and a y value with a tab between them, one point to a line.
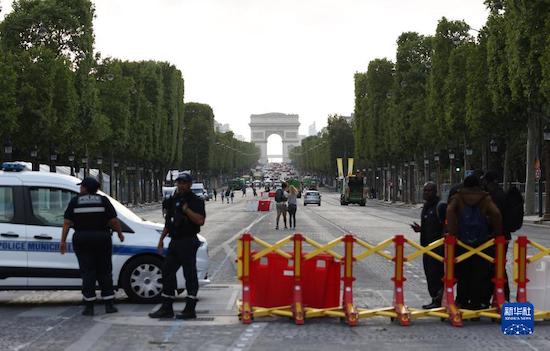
53	246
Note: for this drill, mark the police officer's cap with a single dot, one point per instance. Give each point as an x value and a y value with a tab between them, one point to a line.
90	183
184	177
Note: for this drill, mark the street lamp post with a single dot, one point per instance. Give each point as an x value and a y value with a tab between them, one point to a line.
53	160
546	216
34	156
84	161
99	161
406	182
468	151
412	181
8	150
438	172
452	162
71	158
427	176
114	180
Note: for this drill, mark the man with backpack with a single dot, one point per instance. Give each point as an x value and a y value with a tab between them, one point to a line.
281	198
510	205
474	219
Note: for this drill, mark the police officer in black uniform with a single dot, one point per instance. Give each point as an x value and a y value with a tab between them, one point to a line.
185	215
431	228
92	216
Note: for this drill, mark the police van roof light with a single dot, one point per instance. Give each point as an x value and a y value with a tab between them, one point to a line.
13	167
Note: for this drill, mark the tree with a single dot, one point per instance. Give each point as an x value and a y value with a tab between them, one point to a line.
63	27
448	36
379	84
9	109
199	136
525	44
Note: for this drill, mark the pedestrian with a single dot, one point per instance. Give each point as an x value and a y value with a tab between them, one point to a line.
216	195
232	195
292	206
474	219
92	216
244	190
254	193
185	216
490	184
281	197
431	229
222	193
227	194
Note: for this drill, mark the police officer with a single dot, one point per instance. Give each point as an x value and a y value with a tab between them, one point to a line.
431	228
184	217
92	216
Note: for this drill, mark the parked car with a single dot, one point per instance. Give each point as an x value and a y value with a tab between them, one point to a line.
312	197
32	206
199	190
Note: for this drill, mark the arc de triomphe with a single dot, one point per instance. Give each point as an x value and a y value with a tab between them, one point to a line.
264	125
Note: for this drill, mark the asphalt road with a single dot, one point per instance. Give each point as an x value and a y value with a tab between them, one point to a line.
51	320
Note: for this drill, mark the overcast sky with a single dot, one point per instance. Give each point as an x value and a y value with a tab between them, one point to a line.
246	57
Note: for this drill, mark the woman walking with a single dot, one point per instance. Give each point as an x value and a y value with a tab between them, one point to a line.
292	206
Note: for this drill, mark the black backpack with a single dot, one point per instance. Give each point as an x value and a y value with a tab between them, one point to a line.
279	195
512	218
473	226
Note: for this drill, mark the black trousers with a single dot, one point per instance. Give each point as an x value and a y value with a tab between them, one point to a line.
181	253
433	269
474	280
292	215
94	251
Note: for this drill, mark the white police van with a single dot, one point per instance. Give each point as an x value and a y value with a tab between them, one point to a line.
32	205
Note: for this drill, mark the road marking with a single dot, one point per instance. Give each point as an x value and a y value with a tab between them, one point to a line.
232	300
234	237
246	339
88	340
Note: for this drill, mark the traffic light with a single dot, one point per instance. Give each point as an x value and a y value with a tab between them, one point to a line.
457	169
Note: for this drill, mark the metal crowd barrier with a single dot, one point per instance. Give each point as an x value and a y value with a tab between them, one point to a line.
285	279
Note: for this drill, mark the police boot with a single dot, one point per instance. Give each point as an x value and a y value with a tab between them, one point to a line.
88	308
189	310
165	311
436	303
110	306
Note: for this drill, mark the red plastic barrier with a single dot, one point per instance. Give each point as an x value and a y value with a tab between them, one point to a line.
271	194
272	281
321	282
263	205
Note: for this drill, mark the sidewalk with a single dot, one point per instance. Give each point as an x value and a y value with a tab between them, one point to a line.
534	219
531	219
398	204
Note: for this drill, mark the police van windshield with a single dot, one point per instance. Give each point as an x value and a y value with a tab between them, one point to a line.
123	210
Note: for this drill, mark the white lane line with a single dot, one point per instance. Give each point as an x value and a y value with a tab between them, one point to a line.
246	339
232	300
234	237
88	340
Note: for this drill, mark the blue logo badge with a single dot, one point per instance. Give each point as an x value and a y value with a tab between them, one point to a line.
518	319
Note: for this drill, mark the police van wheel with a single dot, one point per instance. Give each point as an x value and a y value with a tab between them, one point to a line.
141	279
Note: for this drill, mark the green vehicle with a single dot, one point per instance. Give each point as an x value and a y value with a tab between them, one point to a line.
352	191
310	183
236	184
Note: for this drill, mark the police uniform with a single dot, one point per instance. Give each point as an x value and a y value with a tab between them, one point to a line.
92	244
184	243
